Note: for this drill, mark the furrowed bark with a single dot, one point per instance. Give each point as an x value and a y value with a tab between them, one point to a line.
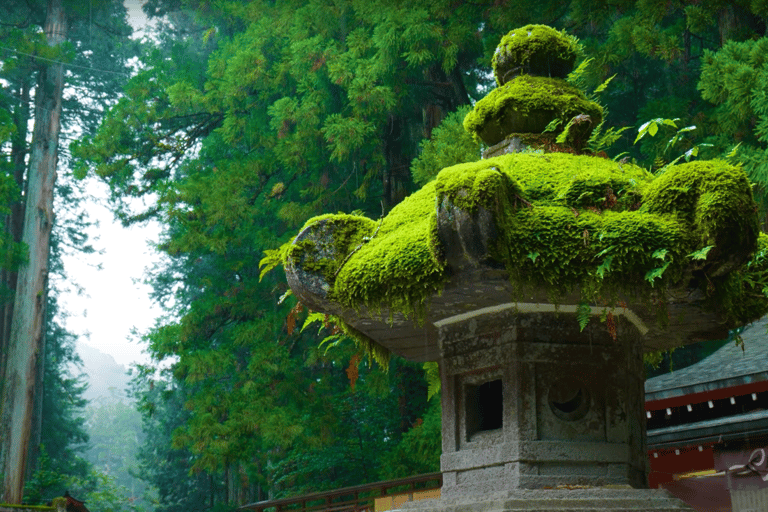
25	345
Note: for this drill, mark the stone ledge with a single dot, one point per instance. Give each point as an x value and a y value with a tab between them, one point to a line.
561	500
540	451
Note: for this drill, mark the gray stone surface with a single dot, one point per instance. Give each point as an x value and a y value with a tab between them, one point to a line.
571	400
531	402
571	403
562	500
505	147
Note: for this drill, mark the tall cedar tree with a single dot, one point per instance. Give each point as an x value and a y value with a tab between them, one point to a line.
40	40
25	344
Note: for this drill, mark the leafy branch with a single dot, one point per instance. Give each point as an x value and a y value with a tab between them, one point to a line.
651	128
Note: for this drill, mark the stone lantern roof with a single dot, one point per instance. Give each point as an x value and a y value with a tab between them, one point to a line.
578	235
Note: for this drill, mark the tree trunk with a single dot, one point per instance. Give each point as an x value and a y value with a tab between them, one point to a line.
14	223
735	22
398	160
36	431
27	327
16	218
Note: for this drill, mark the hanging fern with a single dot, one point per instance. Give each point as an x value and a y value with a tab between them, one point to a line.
432	376
583	312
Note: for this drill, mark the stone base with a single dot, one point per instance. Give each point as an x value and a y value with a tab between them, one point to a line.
561	500
531	401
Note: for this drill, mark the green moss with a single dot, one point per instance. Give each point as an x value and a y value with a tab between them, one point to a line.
527	104
554	178
562	216
567	223
715	198
537	49
400	267
743	293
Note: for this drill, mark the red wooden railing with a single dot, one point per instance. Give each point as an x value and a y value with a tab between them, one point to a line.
349	499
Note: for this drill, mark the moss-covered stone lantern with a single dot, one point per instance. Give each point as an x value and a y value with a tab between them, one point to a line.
537	280
530	66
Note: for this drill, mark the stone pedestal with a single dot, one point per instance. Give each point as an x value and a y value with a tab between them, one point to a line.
562	500
532	402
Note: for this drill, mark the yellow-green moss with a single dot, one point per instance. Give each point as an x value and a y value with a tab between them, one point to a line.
527	104
563	216
534	44
569	223
715	198
399	267
553	178
743	293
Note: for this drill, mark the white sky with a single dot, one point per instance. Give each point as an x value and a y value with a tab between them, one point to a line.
114	301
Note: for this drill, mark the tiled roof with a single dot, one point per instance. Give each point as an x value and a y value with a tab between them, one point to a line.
707	431
729	366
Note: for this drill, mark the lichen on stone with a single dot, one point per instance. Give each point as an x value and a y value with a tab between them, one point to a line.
339	236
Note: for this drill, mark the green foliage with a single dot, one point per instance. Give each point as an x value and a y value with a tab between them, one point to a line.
342	334
583	314
450	145
365	431
419	449
95	61
651	128
115	434
744	292
733	79
432	376
602	137
245	120
165	468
